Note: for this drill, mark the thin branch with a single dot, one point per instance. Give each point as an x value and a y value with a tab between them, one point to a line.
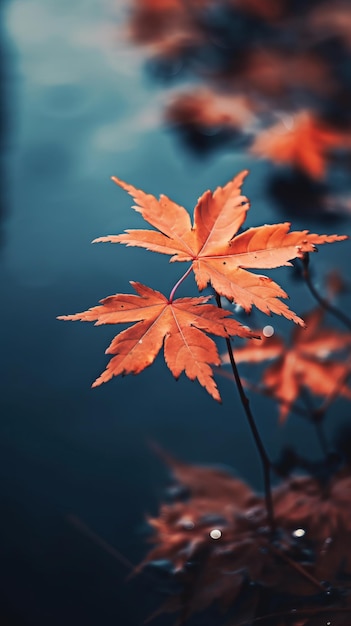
321	437
83	528
297	567
340	315
266	462
315	416
299	410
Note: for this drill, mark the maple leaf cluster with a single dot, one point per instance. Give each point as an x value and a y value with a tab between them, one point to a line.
219	550
270	77
303	364
219	256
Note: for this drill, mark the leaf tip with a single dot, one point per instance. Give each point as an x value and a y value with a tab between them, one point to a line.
97	382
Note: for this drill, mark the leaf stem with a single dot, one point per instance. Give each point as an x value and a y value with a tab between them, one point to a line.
321	437
315	416
322	301
297	567
82	527
179	282
266	462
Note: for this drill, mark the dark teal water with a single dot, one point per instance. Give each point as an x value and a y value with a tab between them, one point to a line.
78	107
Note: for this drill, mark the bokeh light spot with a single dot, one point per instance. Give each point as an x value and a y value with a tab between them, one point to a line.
268	331
215	533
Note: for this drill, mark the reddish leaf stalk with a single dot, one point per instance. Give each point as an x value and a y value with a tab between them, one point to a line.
179	282
266	462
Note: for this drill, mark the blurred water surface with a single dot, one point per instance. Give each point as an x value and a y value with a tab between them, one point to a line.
77	107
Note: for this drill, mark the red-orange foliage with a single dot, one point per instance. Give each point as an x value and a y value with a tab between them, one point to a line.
220	540
216	542
302	141
219	257
218	254
305	363
179	325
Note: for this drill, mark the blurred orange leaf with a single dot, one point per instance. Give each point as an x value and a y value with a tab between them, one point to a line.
303	364
301	141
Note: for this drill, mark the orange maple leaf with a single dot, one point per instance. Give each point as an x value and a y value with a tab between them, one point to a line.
301	141
178	325
303	364
218	254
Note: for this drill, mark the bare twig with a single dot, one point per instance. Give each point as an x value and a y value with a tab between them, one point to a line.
266	462
340	315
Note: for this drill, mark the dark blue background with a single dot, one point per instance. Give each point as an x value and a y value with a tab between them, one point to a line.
76	108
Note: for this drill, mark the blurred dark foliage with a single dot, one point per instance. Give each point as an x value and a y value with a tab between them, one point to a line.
273	77
215	553
213	548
